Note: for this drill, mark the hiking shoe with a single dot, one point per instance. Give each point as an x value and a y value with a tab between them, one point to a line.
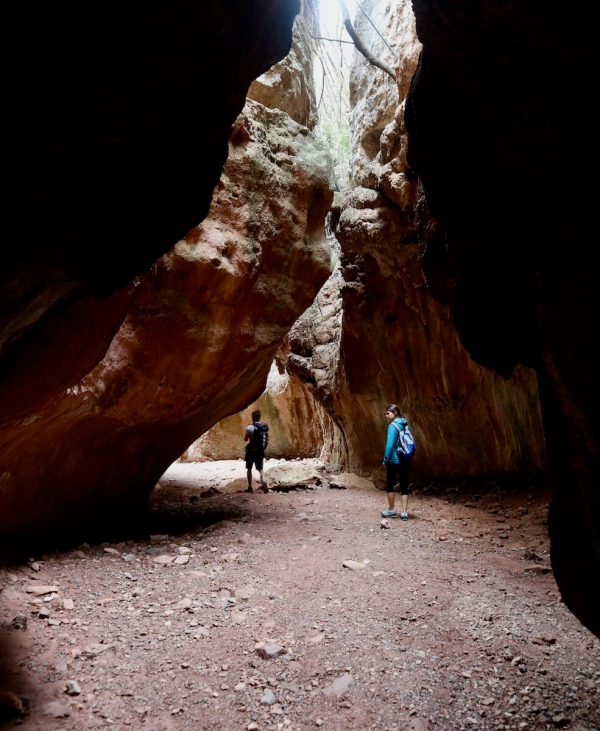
249	489
388	513
264	487
404	516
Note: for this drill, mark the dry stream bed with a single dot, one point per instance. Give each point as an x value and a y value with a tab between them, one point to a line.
451	620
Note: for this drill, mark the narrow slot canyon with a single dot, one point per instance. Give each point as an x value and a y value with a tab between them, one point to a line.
318	210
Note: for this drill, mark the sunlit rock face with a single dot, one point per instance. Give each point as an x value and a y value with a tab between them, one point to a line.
115	136
502	108
397	343
195	346
289	84
374	96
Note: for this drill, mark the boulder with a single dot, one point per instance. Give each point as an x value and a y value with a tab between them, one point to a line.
285	476
339	687
354	565
350	481
269	650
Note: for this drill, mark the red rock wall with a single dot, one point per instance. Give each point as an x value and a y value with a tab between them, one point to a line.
396	342
195	346
115	135
399	344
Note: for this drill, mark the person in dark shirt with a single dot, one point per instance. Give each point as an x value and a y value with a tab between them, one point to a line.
257	436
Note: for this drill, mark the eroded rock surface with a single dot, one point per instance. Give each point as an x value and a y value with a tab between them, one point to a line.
488	139
373	94
115	138
396	342
289	84
196	345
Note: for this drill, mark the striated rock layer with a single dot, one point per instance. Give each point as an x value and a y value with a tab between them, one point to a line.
195	346
115	136
396	342
503	135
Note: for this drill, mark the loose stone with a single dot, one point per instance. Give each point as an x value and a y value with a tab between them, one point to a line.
72	687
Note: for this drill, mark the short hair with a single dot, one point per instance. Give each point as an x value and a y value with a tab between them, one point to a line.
256	415
394	409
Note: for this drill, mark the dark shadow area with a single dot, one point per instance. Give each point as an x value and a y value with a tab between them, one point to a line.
172	518
15	691
485	487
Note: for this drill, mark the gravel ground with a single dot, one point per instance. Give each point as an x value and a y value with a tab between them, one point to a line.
451	620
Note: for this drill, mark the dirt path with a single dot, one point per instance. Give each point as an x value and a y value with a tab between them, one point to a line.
449	623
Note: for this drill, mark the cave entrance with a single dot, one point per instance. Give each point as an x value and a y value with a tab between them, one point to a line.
215	463
290	410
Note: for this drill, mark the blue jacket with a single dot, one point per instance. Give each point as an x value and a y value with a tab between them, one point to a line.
390	456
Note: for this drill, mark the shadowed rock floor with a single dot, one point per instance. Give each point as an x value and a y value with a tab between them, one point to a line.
453	622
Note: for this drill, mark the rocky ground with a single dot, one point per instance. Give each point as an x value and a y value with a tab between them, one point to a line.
299	610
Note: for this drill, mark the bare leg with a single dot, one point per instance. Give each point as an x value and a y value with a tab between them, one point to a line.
404	503
391	499
249	475
262	481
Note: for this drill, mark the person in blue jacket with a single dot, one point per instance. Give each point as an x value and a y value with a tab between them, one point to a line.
397	472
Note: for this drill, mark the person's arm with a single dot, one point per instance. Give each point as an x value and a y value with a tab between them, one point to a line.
248	434
389	445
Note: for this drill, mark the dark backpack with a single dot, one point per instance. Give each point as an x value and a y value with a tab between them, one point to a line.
406	443
260	437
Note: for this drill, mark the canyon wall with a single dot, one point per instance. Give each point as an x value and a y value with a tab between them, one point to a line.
296	419
397	343
115	136
289	85
374	96
196	344
501	109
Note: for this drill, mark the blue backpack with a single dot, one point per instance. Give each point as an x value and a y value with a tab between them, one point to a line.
406	448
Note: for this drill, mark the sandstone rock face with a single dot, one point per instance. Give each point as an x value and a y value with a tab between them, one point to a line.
526	273
373	95
195	346
111	156
396	342
289	85
399	344
295	419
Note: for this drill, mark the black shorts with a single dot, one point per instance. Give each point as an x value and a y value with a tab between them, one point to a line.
398	473
257	458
